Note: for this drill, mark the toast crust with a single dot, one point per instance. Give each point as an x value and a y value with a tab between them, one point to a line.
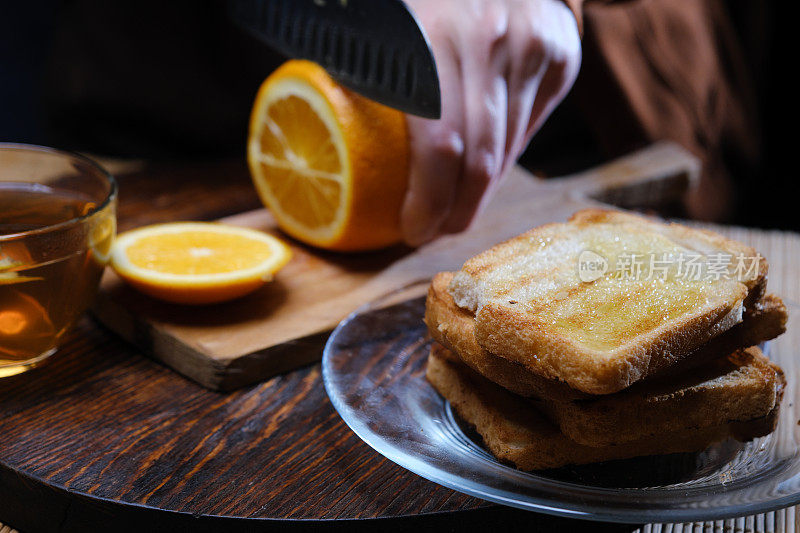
516	433
602	335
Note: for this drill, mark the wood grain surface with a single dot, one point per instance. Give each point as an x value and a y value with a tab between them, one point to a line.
104	437
234	344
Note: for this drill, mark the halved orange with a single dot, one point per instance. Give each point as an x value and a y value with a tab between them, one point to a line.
197	262
331	165
13	258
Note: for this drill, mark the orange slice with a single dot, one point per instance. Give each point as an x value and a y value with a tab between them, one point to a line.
331	165
197	262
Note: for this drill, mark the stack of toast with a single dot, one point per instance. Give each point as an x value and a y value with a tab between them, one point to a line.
607	337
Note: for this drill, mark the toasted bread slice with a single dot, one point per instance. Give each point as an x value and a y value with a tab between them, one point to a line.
602	333
740	387
516	433
454	328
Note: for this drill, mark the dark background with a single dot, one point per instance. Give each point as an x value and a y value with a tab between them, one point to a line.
175	80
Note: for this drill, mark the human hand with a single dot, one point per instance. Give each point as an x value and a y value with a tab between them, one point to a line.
503	67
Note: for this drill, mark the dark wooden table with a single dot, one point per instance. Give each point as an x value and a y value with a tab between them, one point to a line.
103	437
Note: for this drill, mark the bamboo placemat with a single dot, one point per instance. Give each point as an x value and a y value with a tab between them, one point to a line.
782	250
781	521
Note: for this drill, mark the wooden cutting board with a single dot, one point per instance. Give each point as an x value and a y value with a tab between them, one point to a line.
230	345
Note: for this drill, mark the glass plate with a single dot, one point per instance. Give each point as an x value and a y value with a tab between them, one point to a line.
374	372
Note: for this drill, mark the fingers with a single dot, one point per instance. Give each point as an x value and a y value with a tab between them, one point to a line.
563	59
503	67
485	111
437	150
524	77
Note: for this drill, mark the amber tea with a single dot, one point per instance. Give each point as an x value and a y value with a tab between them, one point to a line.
45	284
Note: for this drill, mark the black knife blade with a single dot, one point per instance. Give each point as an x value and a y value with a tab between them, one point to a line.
374	47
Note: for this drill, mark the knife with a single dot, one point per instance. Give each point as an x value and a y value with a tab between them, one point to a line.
374	47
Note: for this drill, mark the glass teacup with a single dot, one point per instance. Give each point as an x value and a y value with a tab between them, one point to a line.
57	224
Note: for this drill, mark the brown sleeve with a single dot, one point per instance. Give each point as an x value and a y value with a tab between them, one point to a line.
670	69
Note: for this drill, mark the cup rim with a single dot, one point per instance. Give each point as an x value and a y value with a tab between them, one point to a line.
112	193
